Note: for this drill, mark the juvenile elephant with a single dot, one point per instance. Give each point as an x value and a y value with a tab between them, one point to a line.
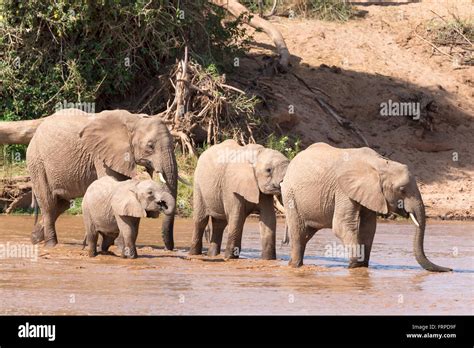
230	182
344	189
111	207
71	149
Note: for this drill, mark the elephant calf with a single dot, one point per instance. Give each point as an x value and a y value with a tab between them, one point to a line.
230	182
111	207
344	189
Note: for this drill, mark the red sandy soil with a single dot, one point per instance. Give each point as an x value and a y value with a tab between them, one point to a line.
364	62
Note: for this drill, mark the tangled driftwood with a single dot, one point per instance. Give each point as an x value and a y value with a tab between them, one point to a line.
15	193
205	109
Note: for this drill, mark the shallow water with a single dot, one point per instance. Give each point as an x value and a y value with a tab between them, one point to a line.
63	280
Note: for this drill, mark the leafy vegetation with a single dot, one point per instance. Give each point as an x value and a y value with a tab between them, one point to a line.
76	207
328	10
102	52
106	53
286	145
12	160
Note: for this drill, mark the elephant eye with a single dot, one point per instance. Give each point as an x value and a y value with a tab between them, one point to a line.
151	145
402	189
269	170
149	192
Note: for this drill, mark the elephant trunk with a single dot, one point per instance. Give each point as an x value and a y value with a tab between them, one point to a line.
170	171
416	209
170	203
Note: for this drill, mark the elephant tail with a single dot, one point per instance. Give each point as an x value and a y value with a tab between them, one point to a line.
35	206
292	215
286	237
207	234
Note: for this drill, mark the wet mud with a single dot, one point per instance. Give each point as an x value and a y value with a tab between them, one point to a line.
64	280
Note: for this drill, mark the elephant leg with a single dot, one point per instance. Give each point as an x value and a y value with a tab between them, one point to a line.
119	241
201	219
296	229
365	238
200	223
38	233
297	252
107	241
128	227
218	227
347	221
91	236
50	215
236	220
267	227
92	243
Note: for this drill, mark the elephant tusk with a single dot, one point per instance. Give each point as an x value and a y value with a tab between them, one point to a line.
162	179
414	220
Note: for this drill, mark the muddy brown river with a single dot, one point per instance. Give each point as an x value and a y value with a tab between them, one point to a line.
64	280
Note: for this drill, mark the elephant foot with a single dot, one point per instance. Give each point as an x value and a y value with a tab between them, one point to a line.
105	246
169	243
38	234
231	256
295	264
106	252
213	250
358	264
129	253
232	252
195	250
119	242
269	255
51	243
92	253
169	246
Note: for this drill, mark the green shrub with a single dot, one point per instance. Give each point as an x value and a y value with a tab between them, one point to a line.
186	167
76	207
102	52
286	145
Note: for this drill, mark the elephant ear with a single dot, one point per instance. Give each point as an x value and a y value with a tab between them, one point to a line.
242	181
361	182
125	203
107	137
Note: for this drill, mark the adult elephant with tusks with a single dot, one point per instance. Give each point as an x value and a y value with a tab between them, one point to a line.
71	149
344	189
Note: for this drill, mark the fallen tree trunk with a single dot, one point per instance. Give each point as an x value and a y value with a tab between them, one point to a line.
237	9
18	132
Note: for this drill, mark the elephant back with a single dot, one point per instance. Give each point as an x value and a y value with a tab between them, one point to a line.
56	151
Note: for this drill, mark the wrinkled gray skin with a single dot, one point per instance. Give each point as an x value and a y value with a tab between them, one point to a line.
230	182
344	189
111	207
71	149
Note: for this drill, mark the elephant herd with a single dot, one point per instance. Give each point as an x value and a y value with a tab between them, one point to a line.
74	154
